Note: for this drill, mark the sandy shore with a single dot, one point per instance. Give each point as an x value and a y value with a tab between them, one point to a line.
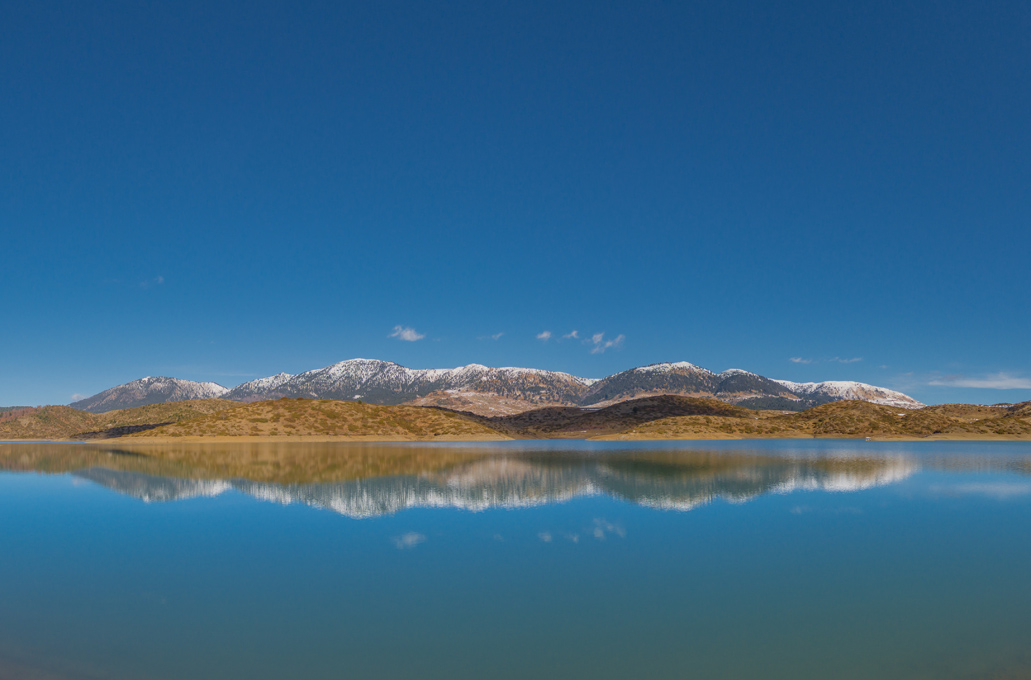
875	438
312	439
251	439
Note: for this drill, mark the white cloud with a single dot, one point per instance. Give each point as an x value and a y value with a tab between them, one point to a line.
800	360
544	335
156	281
603	528
847	361
409	540
79	397
572	335
406	333
545	536
496	336
994	381
601	344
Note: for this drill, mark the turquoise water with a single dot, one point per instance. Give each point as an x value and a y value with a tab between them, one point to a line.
782	559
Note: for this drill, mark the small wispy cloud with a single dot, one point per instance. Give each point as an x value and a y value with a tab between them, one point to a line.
407	334
603	528
545	536
156	281
572	335
544	336
409	540
79	397
600	344
840	360
495	336
800	360
994	381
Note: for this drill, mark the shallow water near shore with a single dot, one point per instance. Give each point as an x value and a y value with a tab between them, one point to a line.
732	559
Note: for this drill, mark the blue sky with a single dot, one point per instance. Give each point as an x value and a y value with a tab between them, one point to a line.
222	191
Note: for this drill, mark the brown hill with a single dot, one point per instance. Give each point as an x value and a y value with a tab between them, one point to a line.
659	417
327	418
64	422
562	421
851	419
48	422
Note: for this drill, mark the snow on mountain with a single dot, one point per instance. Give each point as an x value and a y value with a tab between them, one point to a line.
731	372
671	367
681	378
258	390
839	390
385	382
147	391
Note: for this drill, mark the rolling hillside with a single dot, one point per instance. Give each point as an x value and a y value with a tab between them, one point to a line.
851	419
657	417
64	422
327	418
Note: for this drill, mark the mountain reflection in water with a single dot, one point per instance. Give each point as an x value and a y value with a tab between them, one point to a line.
371	480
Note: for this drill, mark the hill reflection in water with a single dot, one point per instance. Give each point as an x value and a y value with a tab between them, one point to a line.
372	480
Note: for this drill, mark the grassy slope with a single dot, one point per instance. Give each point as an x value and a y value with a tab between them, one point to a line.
325	417
49	422
577	422
662	417
64	422
853	419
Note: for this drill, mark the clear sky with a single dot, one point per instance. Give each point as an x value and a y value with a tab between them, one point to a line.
223	191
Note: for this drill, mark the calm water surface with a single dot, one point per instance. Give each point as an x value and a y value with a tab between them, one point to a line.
784	559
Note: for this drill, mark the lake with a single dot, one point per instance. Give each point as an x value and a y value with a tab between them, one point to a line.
561	559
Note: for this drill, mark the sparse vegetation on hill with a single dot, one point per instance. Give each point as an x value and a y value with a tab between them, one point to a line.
577	422
48	422
852	419
659	417
65	422
325	417
12	412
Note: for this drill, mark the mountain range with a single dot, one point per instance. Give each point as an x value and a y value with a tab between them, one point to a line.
499	391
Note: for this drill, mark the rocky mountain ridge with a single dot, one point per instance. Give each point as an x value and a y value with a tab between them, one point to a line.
495	391
147	391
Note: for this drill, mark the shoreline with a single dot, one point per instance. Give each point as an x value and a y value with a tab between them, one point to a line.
323	439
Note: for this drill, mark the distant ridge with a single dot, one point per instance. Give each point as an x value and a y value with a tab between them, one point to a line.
496	391
147	391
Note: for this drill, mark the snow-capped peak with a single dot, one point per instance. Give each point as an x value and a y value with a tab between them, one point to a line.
849	389
730	372
670	366
150	390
